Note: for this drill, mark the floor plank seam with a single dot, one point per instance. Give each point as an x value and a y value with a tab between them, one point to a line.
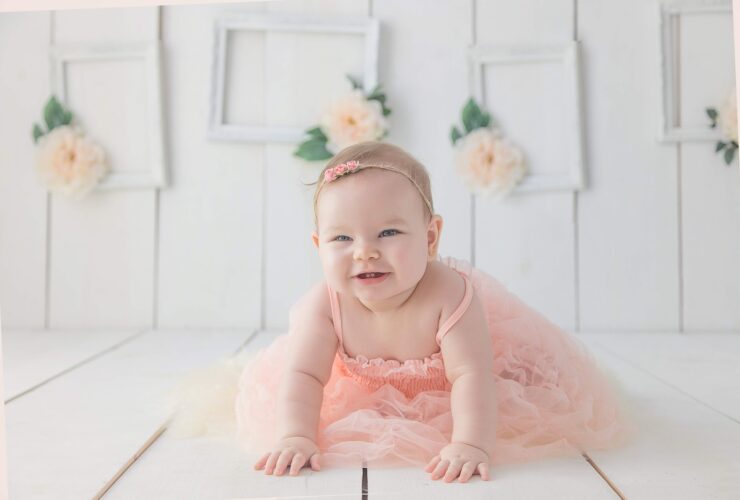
365	490
154	437
691	396
149	442
603	475
246	342
76	365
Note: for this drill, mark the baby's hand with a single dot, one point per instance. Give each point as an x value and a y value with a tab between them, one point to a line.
463	460
293	451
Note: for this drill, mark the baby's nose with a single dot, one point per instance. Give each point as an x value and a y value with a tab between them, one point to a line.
365	251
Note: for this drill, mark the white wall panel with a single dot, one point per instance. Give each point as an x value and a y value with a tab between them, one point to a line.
527	240
627	218
211	214
102	249
650	244
24	89
301	73
424	70
709	189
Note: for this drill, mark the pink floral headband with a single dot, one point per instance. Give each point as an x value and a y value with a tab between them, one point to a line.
332	173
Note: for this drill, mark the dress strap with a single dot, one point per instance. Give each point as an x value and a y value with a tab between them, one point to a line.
336	316
458	312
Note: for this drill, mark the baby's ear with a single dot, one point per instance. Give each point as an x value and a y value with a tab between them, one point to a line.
315	238
434	231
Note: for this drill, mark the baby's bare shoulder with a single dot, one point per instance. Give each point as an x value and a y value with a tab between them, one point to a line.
314	303
311	331
449	289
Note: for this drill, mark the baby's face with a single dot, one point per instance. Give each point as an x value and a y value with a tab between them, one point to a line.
373	221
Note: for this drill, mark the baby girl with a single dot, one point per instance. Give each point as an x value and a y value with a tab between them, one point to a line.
401	357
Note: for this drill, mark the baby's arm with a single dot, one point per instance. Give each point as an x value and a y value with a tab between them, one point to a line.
468	357
313	345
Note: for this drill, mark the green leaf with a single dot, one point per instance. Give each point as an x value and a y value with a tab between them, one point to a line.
720	146
712	113
67	118
729	154
379	97
355	83
37	132
377	93
54	113
486	120
734	144
313	150
472	116
316	133
455	134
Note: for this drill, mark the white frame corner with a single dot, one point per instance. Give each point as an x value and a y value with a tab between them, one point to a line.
668	10
150	53
220	131
568	55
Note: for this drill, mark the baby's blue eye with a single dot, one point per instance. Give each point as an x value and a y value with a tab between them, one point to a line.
391	230
340	236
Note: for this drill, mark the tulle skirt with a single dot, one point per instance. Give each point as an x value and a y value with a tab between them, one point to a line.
552	398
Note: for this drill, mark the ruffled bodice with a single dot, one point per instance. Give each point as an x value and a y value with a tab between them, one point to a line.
410	376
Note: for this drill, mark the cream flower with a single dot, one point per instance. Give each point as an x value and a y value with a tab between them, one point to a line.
728	117
69	162
489	164
353	119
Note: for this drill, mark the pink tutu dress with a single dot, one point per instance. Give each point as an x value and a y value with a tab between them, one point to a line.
552	400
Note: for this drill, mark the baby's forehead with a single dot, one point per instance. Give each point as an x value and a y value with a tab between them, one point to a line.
371	182
370	194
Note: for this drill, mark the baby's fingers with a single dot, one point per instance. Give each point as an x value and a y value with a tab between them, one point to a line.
270	465
483	471
315	465
262	461
285	457
432	463
297	464
440	469
467	472
454	470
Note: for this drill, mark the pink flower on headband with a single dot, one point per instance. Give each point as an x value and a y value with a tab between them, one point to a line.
343	168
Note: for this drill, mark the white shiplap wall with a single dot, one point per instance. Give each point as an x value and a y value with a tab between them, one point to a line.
650	244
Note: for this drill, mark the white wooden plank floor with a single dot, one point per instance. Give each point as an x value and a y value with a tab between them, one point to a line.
79	411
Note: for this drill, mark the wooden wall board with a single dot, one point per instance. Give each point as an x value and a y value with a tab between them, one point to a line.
210	218
23	200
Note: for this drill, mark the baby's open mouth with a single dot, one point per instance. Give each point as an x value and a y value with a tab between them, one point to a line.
370	275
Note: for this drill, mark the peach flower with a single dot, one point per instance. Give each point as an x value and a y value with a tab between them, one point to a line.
353	119
489	164
728	117
69	162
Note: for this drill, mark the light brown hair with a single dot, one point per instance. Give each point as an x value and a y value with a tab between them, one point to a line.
382	155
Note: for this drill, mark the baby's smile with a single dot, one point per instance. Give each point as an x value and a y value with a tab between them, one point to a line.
371	278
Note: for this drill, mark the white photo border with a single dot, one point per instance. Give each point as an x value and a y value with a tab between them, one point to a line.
217	129
568	56
668	11
150	52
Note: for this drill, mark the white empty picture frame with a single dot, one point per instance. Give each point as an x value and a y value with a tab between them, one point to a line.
217	129
670	13
153	173
567	56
